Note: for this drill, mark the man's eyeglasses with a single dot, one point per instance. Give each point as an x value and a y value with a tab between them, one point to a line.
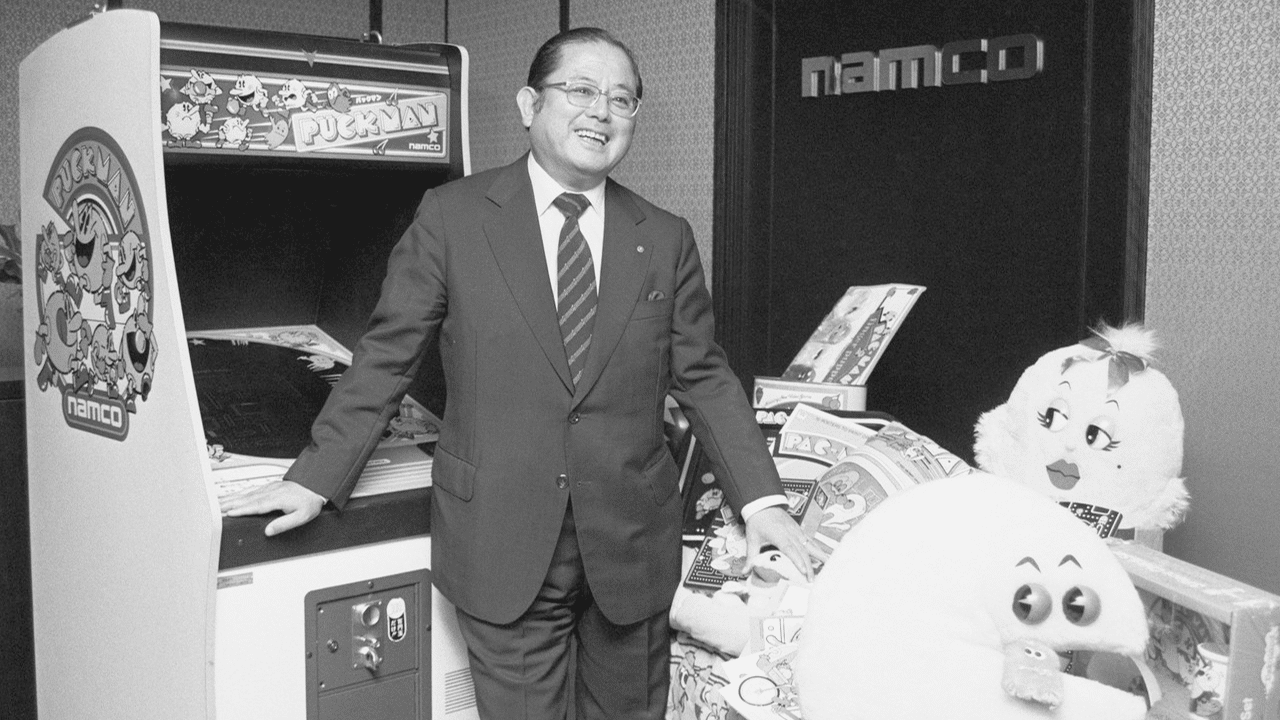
583	95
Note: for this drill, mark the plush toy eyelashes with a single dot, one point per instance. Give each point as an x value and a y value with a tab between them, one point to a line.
1098	435
1055	417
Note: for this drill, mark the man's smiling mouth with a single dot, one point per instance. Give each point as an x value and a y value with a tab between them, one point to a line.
592	136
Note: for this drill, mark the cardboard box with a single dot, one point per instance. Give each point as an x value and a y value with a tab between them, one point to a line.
1204	625
778	394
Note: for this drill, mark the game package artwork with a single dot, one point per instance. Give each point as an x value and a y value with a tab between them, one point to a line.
1214	642
851	339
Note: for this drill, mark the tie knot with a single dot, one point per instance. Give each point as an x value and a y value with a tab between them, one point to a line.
572	204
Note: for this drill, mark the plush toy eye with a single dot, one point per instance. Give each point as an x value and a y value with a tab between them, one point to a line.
1081	605
1031	604
1099	433
1055	417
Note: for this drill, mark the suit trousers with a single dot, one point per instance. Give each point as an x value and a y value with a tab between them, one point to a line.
563	647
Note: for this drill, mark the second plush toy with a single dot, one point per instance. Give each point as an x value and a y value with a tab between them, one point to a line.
1095	427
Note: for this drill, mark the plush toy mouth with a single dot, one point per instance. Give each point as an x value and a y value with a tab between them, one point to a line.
1063	475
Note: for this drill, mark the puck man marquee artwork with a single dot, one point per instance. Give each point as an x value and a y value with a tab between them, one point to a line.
94	344
212	111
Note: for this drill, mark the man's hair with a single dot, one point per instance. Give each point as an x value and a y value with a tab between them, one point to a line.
548	58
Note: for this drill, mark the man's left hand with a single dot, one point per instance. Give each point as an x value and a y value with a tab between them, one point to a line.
773	526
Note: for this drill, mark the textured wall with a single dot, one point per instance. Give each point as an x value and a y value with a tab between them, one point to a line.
672	160
501	37
1214	268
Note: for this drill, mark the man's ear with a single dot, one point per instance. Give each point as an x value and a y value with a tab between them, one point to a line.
529	102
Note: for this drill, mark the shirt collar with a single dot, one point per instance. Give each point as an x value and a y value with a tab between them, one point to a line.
546	189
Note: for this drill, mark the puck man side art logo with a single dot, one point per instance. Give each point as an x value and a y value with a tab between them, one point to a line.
93	283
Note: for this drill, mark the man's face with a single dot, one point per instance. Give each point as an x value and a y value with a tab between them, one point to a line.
579	146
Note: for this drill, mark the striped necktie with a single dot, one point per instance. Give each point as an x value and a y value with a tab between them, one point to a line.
575	284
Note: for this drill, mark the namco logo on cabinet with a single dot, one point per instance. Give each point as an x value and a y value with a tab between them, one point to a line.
963	62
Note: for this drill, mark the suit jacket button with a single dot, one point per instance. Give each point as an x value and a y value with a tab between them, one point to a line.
562	482
574	418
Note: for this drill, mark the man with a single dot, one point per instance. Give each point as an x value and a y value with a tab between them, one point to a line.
555	518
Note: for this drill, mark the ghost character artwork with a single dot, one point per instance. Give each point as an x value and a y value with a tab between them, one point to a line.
1097	428
234	132
955	599
183	122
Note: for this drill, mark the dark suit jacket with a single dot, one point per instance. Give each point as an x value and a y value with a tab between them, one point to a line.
518	439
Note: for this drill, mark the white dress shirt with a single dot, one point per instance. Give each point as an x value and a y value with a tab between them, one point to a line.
591	224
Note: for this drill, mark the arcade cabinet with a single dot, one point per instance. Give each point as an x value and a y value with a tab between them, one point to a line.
207	215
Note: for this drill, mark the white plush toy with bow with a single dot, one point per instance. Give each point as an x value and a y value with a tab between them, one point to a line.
1094	426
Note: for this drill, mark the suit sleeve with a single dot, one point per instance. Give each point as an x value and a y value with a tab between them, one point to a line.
710	393
384	363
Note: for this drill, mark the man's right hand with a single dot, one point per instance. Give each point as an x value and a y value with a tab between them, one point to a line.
299	505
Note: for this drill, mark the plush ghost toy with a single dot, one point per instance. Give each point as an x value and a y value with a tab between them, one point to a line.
953	600
1093	425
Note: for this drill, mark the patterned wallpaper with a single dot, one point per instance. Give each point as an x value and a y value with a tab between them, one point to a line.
1213	272
672	159
501	37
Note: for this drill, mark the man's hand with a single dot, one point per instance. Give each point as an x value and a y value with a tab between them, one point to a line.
773	526
299	505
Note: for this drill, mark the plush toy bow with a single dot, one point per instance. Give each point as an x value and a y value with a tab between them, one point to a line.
1123	363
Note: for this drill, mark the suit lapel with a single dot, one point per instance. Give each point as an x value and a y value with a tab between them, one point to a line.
516	242
622	273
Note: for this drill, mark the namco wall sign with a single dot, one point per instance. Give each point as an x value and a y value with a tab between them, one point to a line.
1009	57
